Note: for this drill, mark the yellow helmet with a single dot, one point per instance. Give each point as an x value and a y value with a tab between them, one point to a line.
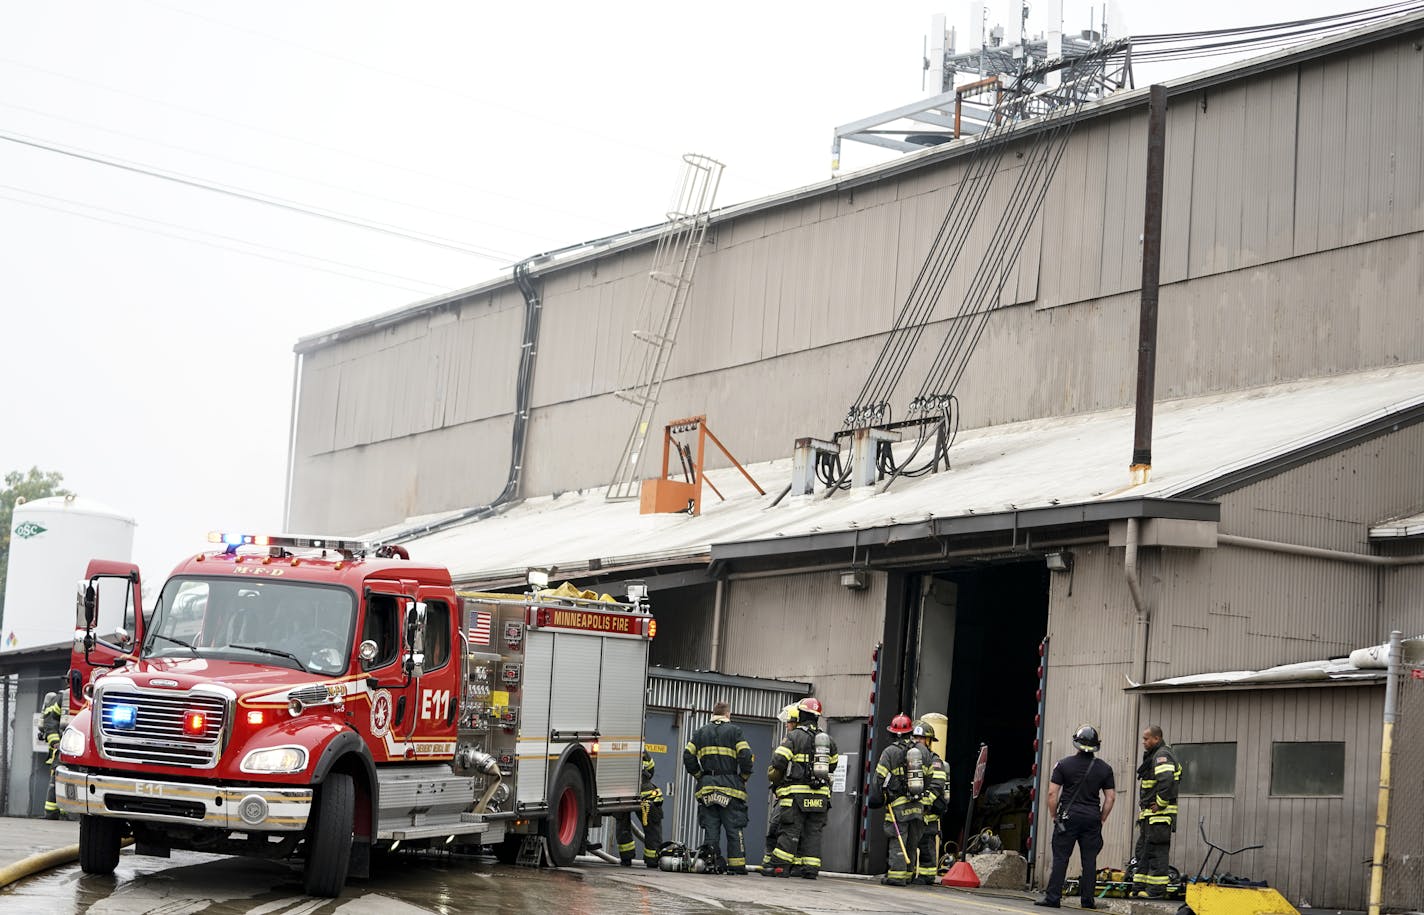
787	714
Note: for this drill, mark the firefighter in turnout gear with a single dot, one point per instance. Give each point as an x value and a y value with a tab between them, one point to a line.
49	735
787	716
898	784
801	771
650	814
1158	776
936	804
720	758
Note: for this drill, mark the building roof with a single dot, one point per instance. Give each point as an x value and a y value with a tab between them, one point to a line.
1364	666
1412	526
1118	101
1018	476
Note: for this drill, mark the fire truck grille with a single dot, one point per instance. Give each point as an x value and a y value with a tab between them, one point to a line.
162	728
121	803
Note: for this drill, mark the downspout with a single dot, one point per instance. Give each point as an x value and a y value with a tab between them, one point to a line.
719	601
1140	642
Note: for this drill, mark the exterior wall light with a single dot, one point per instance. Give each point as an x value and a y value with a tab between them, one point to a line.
854	580
1061	561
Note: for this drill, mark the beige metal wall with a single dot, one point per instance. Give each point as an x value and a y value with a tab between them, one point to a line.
806	628
1315	846
1292	248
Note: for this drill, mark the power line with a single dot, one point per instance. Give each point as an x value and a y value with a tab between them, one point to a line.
199	241
198	112
543	240
502	257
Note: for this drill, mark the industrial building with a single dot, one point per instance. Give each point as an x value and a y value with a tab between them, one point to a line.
1277	525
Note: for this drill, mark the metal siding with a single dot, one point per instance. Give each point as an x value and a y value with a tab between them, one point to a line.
1177	183
818	632
622	682
534	716
1295	860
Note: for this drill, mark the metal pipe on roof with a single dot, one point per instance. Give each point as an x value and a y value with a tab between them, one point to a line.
1296	549
1151	273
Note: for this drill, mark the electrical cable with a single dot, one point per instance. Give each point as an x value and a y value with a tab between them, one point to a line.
199	241
252	196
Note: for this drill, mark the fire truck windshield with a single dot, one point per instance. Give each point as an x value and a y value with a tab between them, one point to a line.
304	626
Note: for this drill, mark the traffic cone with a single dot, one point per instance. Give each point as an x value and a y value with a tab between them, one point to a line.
960	874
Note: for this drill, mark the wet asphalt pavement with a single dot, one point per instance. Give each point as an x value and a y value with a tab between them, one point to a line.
212	885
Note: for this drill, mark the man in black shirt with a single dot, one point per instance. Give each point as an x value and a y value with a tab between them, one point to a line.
1077	817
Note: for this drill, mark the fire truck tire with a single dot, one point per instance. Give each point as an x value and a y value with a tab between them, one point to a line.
329	846
566	826
99	840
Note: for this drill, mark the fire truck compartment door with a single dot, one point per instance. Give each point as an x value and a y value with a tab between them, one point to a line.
620	717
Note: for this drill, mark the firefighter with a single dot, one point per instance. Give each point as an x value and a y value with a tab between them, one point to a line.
720	758
898	785
787	716
1158	776
801	771
936	803
49	735
650	813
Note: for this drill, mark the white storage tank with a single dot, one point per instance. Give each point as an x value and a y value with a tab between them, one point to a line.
51	543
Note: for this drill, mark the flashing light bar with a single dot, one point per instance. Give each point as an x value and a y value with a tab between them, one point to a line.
289	540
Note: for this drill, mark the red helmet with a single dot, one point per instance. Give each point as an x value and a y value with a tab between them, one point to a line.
811	705
900	724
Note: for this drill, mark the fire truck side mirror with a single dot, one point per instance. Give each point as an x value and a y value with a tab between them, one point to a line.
91	605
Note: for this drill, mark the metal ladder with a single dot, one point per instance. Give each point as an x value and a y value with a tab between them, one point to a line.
664	300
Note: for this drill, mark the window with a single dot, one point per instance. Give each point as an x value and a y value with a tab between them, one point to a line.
380	627
437	634
1207	768
1309	769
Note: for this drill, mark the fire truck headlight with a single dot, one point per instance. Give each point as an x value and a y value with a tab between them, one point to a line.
275	759
72	743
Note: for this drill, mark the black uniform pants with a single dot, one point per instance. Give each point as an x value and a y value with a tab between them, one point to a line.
731	819
652	834
1154	841
51	804
1086	832
928	866
799	842
904	843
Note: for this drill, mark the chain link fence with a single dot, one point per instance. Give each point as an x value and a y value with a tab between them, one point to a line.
1403	885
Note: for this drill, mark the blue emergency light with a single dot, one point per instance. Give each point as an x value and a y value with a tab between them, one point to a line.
122	716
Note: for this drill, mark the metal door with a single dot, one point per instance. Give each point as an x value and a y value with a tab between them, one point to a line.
662	738
759	735
840	843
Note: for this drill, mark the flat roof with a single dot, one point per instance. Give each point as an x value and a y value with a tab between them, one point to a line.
584	251
1058	471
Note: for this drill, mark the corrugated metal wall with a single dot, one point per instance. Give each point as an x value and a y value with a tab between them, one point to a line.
1315	846
807	627
1292	249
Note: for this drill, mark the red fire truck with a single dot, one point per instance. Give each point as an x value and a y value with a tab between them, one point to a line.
319	699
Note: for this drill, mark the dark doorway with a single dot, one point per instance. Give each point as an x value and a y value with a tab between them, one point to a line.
974	653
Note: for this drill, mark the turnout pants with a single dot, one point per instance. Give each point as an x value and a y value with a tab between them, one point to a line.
51	805
652	834
1086	832
927	870
1154	841
731	819
798	845
773	832
901	857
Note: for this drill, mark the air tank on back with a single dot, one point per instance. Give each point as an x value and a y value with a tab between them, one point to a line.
51	543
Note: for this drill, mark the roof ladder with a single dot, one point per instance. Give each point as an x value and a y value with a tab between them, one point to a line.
664	300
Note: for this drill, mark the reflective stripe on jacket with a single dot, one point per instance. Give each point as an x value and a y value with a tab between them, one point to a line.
1158	777
720	758
791	763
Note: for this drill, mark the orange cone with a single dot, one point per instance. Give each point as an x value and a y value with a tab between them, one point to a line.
960	874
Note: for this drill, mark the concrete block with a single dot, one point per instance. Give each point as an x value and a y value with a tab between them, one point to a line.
1000	870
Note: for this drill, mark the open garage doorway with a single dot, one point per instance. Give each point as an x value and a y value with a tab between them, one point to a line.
973	646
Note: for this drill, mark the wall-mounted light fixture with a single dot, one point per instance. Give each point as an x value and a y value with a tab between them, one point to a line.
1061	561
854	579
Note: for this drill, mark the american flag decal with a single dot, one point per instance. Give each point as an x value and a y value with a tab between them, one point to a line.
480	627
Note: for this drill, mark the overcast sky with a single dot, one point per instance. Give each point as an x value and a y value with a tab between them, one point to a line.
146	327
